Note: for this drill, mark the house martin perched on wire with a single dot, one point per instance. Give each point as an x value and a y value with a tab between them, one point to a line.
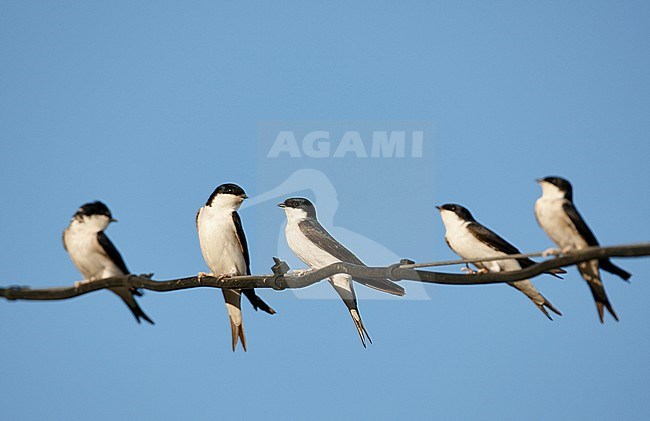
225	251
317	248
95	255
471	240
559	218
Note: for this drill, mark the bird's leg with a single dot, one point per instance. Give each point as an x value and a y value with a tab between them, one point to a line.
468	270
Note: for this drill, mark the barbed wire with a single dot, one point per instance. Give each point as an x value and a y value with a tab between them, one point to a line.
282	278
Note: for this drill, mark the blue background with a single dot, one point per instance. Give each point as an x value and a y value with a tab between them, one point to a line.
148	106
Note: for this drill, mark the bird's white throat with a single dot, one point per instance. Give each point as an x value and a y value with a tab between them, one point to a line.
92	223
226	202
551	191
451	220
295	214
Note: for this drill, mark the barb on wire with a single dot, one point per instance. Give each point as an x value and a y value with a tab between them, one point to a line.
282	279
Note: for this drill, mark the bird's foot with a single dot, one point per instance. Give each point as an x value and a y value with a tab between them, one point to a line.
482	270
202	275
468	270
551	252
77	284
224	276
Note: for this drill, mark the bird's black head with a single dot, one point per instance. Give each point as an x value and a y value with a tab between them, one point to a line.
92	209
561	183
228	188
300	203
462	212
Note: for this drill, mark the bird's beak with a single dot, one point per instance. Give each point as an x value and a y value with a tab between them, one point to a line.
244	196
282	205
114	220
439	208
538	180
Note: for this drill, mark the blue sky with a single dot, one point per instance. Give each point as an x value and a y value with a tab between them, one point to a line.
148	106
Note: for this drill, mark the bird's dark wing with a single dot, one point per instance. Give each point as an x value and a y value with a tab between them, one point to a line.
491	239
579	223
590	238
111	251
315	233
242	240
607	265
254	299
